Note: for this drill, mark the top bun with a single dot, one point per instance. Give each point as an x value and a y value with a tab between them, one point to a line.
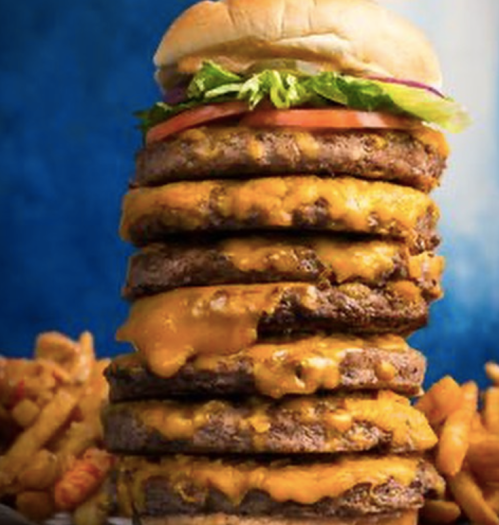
357	37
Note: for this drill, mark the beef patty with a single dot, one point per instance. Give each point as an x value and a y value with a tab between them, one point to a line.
348	486
217	152
393	518
297	425
172	327
300	366
161	267
342	204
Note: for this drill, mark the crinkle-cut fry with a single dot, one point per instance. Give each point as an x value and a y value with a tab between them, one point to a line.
35	505
440	512
440	400
491	410
83	479
470	498
455	435
41	473
492	371
51	418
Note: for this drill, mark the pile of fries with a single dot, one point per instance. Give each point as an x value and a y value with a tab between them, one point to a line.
467	454
51	452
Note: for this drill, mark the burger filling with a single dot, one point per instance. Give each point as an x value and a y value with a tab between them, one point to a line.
288	94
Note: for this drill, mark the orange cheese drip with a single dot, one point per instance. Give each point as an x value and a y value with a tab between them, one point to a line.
407	426
301	366
349	204
305	484
171	327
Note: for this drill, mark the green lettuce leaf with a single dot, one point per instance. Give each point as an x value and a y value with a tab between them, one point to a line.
286	89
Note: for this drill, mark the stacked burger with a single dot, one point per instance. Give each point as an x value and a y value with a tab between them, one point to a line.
286	240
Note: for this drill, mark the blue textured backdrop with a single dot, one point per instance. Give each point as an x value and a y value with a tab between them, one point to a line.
71	73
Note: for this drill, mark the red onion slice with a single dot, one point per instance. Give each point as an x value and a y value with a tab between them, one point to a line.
409	83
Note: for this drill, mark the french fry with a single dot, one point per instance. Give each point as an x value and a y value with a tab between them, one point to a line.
455	435
491	494
470	498
25	413
440	512
85	360
484	453
440	400
82	480
94	511
55	347
478	429
492	371
37	506
52	417
96	391
491	410
42	472
80	436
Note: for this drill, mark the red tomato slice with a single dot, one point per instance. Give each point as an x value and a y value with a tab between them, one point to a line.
327	118
194	117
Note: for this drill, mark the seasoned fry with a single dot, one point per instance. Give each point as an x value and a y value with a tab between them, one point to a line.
492	371
470	498
440	512
42	472
53	416
82	480
455	435
443	398
25	413
491	410
37	506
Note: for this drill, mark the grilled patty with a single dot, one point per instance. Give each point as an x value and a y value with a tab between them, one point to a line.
298	425
161	267
393	518
350	486
342	204
303	366
233	152
173	327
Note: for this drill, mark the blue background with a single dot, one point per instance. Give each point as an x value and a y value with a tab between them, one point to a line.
72	73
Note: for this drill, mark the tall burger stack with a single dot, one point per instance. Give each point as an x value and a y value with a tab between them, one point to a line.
286	250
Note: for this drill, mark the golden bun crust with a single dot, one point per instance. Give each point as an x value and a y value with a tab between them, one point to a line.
397	518
351	36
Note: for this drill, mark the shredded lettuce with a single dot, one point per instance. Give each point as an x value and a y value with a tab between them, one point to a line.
287	89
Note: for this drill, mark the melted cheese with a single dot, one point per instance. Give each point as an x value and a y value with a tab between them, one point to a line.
347	204
171	327
305	484
408	427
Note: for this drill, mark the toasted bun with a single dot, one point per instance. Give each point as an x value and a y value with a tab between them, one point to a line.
351	36
397	518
